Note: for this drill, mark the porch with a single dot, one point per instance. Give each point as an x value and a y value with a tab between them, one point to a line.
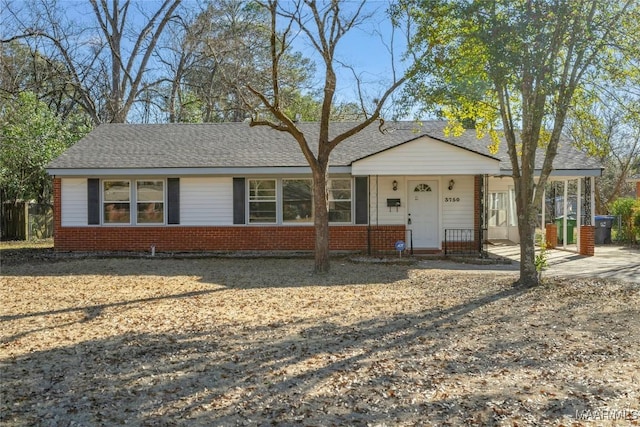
568	204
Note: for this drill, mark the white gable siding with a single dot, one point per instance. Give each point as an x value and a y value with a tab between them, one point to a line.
206	201
425	156
74	202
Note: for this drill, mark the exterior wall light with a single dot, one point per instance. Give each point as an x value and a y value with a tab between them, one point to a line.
451	184
395	185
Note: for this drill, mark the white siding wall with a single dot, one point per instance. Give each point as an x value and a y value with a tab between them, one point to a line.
457	214
426	156
206	201
380	214
453	214
74	202
500	184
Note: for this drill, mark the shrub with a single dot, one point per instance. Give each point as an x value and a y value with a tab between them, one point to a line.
626	208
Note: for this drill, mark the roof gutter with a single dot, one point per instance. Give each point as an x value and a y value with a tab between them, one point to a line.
227	171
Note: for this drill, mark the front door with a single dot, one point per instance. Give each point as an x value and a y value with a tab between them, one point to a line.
422	215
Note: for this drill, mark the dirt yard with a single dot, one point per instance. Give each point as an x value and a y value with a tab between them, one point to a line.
152	341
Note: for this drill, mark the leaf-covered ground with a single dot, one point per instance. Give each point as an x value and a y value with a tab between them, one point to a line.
263	342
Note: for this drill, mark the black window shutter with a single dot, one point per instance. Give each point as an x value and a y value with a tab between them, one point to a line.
93	201
362	200
173	200
238	201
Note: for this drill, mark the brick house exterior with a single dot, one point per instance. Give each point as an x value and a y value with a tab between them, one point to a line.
231	187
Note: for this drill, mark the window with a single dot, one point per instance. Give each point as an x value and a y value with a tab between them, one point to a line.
150	201
117	202
512	208
421	188
262	201
145	199
339	200
498	209
297	200
290	201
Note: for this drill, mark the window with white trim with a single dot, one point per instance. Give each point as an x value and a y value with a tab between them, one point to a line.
339	200
116	200
498	209
262	201
297	200
150	202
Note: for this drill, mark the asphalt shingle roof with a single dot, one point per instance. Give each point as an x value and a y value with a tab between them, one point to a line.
228	145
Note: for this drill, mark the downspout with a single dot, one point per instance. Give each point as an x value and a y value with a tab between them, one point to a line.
592	196
377	202
579	211
565	233
369	215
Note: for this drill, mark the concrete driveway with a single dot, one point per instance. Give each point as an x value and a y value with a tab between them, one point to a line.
609	262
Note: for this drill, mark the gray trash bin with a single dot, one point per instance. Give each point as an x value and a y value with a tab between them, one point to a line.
604	224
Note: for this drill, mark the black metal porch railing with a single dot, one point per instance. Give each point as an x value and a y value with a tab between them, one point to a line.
462	241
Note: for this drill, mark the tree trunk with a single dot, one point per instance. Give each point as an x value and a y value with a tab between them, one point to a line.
528	273
321	219
527	209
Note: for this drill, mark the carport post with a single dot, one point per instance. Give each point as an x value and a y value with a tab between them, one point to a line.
564	214
593	199
579	212
543	225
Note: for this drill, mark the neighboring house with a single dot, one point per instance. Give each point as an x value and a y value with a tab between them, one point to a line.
232	187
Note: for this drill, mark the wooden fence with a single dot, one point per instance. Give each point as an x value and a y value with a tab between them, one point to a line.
26	221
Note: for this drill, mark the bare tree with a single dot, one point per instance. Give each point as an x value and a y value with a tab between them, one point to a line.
108	61
324	24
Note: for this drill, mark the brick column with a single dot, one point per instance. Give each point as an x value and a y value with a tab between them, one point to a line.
587	240
551	236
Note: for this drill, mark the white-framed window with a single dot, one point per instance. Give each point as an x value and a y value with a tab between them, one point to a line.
116	201
297	200
262	201
498	209
140	202
290	200
150	201
339	200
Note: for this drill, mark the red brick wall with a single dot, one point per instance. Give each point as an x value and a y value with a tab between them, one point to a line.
228	238
231	238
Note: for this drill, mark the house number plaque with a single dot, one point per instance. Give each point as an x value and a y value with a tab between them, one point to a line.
451	199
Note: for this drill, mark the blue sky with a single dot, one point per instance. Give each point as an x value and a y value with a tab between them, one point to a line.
362	48
365	48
